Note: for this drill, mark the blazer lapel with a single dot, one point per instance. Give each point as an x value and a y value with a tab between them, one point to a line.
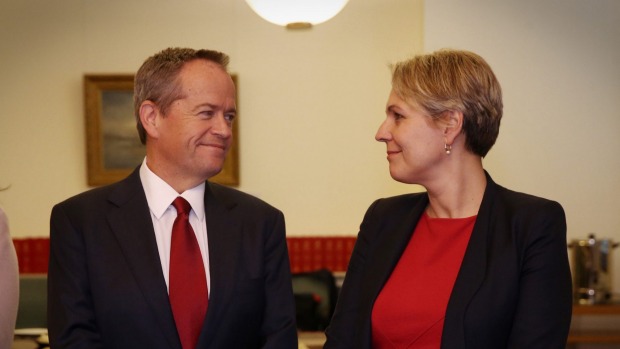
471	274
132	225
224	233
393	239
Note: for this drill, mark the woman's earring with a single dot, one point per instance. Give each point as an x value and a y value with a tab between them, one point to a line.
446	147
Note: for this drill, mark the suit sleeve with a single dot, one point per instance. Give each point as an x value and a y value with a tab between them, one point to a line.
71	318
345	327
543	313
279	329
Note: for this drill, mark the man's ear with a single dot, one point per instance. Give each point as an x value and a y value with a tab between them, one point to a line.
452	124
149	118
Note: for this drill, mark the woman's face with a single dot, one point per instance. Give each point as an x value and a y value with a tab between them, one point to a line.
415	143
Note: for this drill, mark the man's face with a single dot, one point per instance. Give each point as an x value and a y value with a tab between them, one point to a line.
192	140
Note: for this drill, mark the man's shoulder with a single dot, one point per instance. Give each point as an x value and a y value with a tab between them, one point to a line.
238	197
88	196
98	195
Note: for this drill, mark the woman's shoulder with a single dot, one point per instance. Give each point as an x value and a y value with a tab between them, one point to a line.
396	207
404	201
523	201
513	198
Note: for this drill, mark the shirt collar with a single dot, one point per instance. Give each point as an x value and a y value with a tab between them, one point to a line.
159	194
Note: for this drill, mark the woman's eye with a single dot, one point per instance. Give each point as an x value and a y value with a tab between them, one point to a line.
398	116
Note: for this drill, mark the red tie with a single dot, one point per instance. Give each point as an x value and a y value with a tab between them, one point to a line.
188	282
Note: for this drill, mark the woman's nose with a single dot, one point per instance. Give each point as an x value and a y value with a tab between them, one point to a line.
383	134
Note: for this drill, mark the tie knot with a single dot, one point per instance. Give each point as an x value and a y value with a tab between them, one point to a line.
181	205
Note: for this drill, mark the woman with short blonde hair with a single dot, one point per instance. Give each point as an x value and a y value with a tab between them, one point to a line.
468	263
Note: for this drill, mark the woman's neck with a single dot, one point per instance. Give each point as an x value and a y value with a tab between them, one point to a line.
458	193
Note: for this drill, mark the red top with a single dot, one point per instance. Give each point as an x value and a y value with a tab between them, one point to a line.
410	309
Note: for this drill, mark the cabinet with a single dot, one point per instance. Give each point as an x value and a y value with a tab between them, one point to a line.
595	324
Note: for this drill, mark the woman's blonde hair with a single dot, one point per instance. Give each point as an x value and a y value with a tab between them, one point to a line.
452	80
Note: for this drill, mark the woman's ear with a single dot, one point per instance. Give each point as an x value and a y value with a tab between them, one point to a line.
452	124
149	118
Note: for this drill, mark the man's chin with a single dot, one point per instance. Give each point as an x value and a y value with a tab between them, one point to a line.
213	171
209	166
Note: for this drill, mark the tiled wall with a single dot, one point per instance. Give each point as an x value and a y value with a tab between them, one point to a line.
306	253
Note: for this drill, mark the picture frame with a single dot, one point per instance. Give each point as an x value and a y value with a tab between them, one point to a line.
113	147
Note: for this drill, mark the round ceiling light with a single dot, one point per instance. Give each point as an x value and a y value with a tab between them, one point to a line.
296	14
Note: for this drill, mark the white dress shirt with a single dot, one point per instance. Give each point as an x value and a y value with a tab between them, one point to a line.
159	196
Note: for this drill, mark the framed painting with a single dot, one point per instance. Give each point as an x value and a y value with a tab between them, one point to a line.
113	147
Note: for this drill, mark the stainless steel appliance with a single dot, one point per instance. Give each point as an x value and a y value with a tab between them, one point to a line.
591	261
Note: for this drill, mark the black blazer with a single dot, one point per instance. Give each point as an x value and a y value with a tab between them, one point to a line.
107	289
513	289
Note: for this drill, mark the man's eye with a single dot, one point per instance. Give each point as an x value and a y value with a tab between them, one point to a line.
229	117
398	116
208	114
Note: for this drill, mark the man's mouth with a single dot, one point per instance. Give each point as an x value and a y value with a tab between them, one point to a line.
215	145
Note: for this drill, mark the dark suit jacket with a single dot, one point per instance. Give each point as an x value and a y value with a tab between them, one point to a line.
513	289
107	289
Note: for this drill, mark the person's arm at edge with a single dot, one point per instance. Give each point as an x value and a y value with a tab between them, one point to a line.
9	285
543	315
71	318
341	330
279	328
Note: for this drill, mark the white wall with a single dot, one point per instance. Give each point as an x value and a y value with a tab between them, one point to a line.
559	66
310	105
309	101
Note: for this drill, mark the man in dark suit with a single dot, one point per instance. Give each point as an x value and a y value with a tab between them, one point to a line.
119	277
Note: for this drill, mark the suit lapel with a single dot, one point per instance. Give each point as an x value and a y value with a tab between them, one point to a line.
471	274
391	244
132	225
393	239
224	233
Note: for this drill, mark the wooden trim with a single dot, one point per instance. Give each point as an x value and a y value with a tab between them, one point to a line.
599	309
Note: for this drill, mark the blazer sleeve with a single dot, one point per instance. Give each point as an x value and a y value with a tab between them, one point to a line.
278	328
348	321
543	312
71	317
